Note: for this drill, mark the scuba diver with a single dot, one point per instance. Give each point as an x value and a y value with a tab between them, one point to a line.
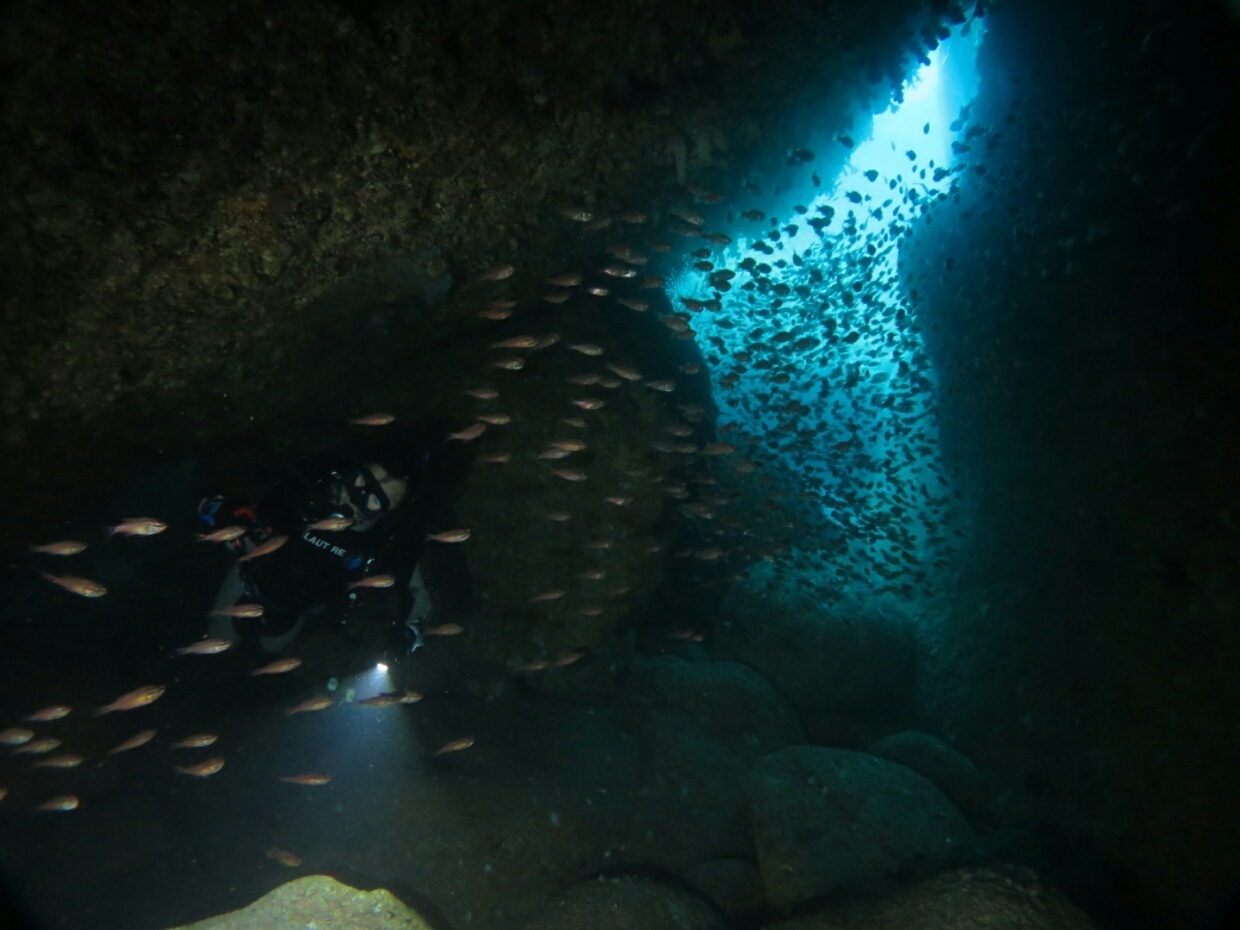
348	560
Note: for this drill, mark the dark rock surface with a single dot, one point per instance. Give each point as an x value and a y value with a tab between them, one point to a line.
952	772
735	885
1087	658
841	657
626	904
1013	899
830	821
729	701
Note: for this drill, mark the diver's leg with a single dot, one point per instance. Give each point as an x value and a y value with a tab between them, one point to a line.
278	629
274	644
421	599
231	590
407	636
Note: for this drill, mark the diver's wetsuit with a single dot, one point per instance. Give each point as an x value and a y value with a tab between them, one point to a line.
311	573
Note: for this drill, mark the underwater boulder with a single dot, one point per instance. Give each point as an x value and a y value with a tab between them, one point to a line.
844	729
1008	899
319	901
627	904
734	885
556	791
691	804
952	772
842	657
829	821
729	701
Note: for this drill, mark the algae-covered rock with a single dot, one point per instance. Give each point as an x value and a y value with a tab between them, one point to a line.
627	904
830	820
1014	899
318	901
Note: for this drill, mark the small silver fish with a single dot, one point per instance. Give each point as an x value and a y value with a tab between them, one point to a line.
204	647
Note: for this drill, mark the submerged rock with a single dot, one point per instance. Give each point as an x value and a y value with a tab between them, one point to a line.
552	793
318	901
843	657
830	820
952	772
732	703
627	904
733	884
1007	900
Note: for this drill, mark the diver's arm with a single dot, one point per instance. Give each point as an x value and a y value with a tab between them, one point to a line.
391	605
396	596
387	606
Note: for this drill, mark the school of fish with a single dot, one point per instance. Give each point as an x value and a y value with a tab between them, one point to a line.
741	486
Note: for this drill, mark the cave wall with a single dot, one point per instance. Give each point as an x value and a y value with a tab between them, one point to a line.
1079	307
186	181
